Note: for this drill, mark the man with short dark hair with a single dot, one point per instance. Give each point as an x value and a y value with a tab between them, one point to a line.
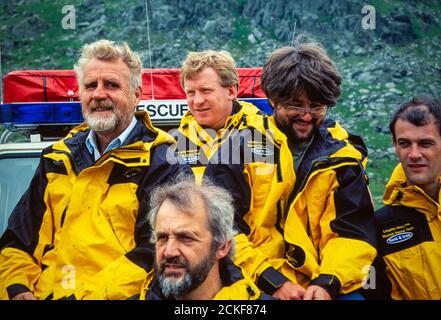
409	225
330	200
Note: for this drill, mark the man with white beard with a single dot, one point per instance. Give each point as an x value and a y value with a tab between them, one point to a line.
80	230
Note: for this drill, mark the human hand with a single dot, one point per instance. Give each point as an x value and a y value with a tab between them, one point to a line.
25	296
316	293
290	291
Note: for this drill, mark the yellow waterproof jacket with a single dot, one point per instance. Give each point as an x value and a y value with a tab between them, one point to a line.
245	158
332	203
81	227
410	239
235	285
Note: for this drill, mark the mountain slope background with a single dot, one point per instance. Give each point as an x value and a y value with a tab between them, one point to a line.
381	67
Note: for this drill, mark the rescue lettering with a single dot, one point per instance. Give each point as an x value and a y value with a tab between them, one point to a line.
164	109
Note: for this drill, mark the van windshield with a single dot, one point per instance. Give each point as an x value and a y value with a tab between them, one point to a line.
15	175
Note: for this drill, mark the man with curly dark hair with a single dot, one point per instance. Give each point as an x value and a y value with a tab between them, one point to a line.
330	199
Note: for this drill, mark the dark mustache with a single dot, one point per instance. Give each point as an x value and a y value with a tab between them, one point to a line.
101	104
175	260
299	120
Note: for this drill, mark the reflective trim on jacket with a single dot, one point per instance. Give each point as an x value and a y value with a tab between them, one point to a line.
81	227
410	239
332	203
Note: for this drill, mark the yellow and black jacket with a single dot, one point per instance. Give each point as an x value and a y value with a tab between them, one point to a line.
409	239
332	203
235	285
81	227
245	158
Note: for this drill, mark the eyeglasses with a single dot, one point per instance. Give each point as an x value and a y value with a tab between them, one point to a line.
316	112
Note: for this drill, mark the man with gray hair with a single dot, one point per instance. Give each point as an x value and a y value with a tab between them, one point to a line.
80	230
194	237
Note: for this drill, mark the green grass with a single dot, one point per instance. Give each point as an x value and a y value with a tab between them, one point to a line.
379	171
384	6
239	41
31	56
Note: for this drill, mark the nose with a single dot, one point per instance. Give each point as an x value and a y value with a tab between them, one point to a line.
99	93
414	153
198	99
171	248
307	117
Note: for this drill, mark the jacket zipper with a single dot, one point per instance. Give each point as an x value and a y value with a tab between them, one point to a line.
69	156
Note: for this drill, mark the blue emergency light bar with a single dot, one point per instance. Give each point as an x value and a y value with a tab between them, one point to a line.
37	113
41	113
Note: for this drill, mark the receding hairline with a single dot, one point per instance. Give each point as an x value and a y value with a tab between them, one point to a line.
111	61
191	208
419	112
188	207
429	117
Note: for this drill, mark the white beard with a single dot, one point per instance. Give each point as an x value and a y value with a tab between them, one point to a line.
108	123
102	124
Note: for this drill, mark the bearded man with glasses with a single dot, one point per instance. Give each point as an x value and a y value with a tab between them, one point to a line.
330	200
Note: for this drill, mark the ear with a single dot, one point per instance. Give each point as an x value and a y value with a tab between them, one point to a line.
232	93
138	95
223	250
394	142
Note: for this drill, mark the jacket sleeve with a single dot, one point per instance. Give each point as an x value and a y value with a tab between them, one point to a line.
379	286
252	261
28	235
347	246
124	277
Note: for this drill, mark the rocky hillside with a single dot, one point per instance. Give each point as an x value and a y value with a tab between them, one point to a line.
381	67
